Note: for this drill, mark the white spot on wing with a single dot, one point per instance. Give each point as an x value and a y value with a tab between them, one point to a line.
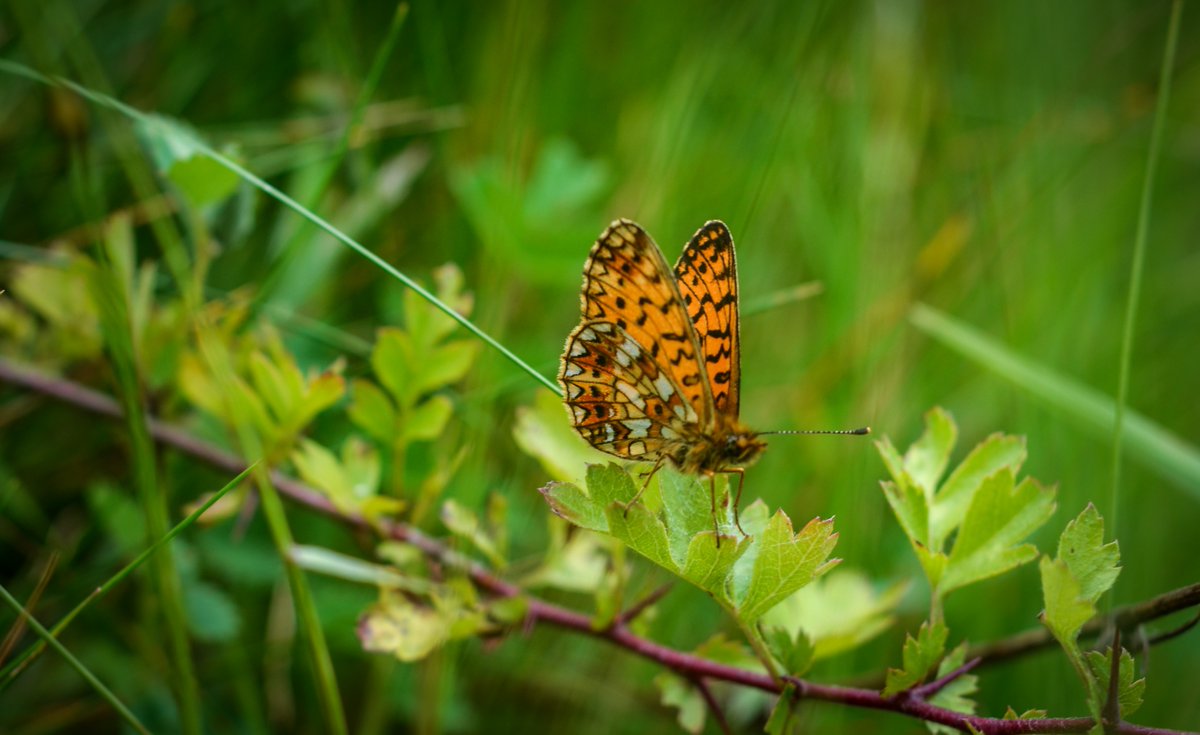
572	370
662	386
669	434
610	432
637	448
579	412
578	349
638	427
631	393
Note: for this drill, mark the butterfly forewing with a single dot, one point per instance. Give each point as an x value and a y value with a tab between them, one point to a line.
626	282
706	275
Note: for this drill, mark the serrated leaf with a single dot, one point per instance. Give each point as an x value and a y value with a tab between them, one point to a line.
708	565
954	496
1066	607
372	411
679	693
793	651
893	461
570	503
785	562
687	510
641	531
755	518
1093	563
607	484
428	419
920	655
1029	714
1129	692
926	459
999	518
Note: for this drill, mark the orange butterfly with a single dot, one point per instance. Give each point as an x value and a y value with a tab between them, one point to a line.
652	372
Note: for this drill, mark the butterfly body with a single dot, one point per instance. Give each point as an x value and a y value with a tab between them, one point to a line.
652	371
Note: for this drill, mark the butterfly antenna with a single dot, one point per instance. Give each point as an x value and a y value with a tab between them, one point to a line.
843	432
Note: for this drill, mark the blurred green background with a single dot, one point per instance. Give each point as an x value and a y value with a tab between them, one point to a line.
986	159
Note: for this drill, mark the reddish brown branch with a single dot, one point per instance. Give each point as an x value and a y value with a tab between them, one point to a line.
692	667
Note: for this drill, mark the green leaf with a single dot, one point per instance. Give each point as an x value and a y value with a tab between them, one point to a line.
371	410
641	531
687	510
608	484
838	612
428	419
1093	563
570	503
353	569
954	497
391	361
446	364
786	562
926	459
794	652
1067	609
1029	714
911	507
999	518
1129	692
679	693
708	565
177	152
920	655
579	565
397	626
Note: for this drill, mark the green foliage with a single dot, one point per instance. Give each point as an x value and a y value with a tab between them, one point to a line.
838	612
1129	691
921	655
748	574
956	695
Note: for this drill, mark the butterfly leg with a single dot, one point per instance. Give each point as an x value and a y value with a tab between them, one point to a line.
649	475
737	501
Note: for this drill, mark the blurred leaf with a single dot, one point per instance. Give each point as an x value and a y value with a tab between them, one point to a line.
372	411
428	419
911	507
444	365
682	695
786	562
398	627
920	654
348	480
793	651
578	566
1092	562
176	150
1129	692
391	361
463	522
781	714
1156	448
999	518
425	322
543	431
352	569
212	615
838	612
118	514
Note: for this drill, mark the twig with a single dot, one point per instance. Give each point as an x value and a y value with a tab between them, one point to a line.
713	705
639	607
687	665
925	691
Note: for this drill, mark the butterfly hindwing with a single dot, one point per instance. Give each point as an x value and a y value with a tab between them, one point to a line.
627	282
706	275
619	399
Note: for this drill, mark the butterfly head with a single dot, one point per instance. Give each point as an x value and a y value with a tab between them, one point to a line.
742	448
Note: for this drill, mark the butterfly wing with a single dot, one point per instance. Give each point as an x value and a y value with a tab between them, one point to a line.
707	280
627	282
620	399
